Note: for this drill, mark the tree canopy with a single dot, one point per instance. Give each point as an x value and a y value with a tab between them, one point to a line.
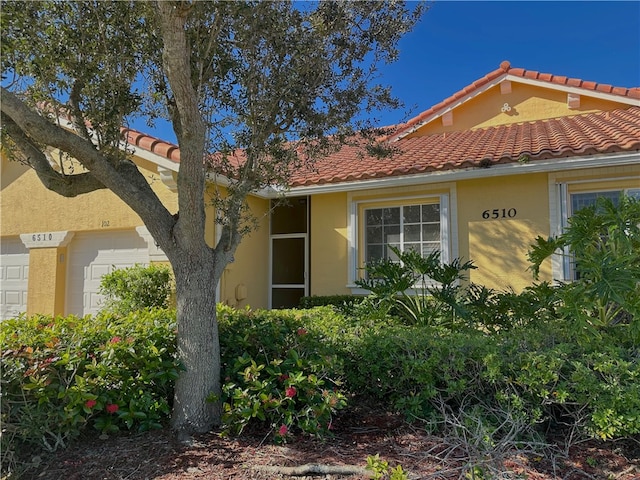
282	82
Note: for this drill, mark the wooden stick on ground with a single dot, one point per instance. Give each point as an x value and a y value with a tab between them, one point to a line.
315	469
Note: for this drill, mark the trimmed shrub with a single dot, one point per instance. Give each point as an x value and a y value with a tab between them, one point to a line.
342	303
539	372
63	374
135	288
280	370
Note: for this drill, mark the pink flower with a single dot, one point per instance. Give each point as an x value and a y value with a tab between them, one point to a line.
115	340
90	403
302	331
283	377
290	392
282	431
111	408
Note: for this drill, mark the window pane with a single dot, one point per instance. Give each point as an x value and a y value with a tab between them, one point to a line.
411	214
431	232
374	216
582	200
290	216
634	193
412	233
374	253
288	255
374	234
390	255
391	216
412	247
286	297
392	234
431	213
429	247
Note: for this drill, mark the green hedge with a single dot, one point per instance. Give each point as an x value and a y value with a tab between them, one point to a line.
63	374
292	370
342	303
546	371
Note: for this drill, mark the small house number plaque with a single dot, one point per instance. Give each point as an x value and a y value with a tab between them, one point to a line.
42	237
499	213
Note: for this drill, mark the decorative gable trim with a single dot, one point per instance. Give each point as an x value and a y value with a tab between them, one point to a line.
447	119
505	87
573	100
166	176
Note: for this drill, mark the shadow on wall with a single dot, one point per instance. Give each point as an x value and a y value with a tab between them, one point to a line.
499	249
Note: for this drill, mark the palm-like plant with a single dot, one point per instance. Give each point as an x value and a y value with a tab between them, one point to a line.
604	242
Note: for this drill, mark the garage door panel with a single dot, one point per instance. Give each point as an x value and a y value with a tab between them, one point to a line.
93	255
14	273
97	272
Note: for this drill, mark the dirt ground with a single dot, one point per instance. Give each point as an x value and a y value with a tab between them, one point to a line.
157	455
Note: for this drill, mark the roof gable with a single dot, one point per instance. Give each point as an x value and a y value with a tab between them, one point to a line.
504	81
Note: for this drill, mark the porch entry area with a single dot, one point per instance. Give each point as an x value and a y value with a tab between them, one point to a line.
289	252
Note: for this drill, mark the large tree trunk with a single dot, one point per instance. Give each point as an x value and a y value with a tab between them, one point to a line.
198	345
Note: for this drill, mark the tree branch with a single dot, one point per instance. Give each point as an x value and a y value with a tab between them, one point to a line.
188	123
76	112
65	185
122	177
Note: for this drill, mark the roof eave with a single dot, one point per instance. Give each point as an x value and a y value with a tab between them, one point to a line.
542	166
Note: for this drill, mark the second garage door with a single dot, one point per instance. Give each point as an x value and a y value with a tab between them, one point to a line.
14	274
92	255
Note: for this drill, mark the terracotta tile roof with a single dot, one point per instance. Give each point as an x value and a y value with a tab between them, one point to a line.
506	69
594	133
151	144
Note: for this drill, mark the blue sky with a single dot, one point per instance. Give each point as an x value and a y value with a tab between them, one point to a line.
458	42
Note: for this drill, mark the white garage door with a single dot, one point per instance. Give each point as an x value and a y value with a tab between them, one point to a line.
92	255
14	275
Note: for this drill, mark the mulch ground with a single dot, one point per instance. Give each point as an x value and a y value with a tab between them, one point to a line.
357	435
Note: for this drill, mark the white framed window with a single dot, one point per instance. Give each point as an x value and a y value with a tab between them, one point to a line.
575	201
406	227
420	223
588	199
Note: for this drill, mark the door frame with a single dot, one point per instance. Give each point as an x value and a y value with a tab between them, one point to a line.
305	236
304	285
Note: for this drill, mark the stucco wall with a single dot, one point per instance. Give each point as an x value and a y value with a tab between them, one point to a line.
249	270
328	258
26	206
517	208
528	103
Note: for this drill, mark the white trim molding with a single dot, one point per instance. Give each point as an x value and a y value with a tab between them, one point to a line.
46	239
156	254
448	227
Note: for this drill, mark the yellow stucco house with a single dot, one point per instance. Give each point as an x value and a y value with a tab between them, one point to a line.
477	176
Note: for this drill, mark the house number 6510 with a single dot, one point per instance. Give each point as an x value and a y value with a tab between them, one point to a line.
41	237
499	213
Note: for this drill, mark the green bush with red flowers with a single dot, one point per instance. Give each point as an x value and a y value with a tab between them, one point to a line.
61	375
280	370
